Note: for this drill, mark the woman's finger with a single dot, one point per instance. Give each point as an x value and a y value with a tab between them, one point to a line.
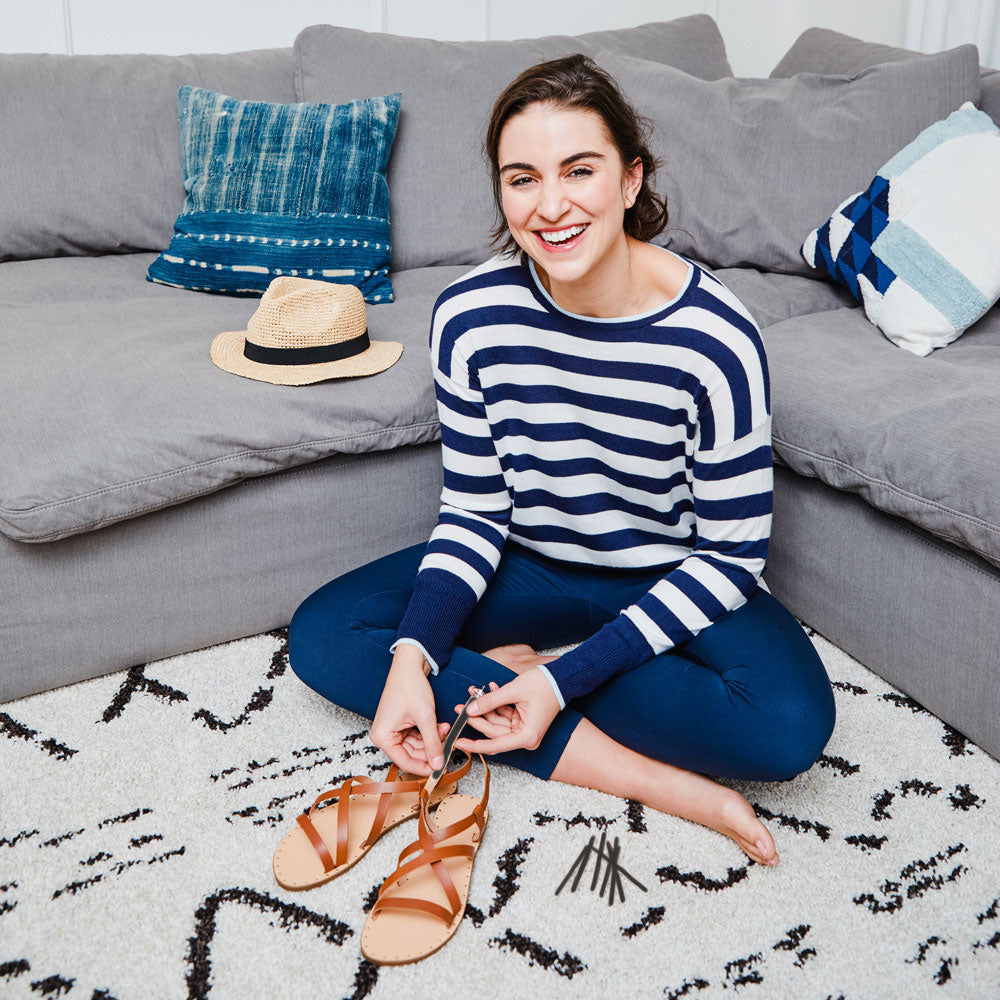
497	718
405	761
486	727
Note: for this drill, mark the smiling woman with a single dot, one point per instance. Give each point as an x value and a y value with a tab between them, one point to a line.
605	430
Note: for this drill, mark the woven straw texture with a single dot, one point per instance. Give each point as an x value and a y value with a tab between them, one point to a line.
297	313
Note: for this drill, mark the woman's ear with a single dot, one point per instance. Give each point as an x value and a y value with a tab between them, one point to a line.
633	182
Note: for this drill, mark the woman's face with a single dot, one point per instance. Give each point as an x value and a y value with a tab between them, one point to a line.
564	189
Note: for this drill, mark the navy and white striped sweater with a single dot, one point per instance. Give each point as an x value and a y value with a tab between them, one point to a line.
642	442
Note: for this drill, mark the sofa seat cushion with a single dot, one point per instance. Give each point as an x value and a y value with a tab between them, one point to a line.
114	407
915	437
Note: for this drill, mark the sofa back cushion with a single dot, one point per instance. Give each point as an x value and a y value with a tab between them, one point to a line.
439	186
91	158
819	50
752	166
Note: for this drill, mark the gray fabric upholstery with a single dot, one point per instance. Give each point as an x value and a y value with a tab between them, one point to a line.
114	407
442	209
990	100
752	166
230	564
820	50
90	157
772	298
915	437
916	610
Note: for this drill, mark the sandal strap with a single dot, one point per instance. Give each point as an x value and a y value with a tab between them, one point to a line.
392	785
431	858
405	903
362	785
428	836
431	852
343	796
383	807
317	841
452	851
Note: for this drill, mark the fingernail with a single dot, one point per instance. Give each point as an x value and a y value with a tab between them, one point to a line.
438	761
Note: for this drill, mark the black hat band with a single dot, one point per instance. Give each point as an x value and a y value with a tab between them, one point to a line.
306	355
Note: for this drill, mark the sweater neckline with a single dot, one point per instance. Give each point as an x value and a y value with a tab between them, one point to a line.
638	319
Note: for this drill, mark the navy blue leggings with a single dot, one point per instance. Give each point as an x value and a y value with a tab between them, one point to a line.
748	697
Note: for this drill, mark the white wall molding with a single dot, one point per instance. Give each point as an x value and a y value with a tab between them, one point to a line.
757	32
67	15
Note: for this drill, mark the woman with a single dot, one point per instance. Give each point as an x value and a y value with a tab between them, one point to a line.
607	481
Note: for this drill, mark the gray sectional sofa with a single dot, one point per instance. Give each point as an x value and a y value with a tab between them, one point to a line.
151	504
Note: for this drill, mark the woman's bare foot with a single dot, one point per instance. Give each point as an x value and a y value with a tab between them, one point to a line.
594	760
518	656
736	819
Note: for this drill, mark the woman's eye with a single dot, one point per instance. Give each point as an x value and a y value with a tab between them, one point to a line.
520	180
581	172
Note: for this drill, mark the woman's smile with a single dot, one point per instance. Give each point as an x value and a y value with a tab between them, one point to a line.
561	240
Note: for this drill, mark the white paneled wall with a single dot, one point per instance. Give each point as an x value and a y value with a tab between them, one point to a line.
932	25
757	32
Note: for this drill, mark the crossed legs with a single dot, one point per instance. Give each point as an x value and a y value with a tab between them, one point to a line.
748	698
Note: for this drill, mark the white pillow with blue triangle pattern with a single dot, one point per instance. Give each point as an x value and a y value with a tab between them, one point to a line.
920	247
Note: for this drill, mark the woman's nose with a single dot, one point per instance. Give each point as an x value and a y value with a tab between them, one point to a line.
552	200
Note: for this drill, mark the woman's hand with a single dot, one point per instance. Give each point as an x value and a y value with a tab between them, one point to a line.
405	726
512	717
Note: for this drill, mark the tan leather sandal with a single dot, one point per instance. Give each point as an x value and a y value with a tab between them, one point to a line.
421	904
328	840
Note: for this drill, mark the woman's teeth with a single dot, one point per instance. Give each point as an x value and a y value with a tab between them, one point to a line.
562	235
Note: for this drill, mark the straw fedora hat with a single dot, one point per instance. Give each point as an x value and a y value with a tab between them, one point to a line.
305	331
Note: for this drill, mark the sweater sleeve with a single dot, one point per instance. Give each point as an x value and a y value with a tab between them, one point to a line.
465	546
732	497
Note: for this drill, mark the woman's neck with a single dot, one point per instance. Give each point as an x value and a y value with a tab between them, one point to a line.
612	287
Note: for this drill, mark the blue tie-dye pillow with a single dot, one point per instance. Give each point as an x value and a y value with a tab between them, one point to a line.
277	189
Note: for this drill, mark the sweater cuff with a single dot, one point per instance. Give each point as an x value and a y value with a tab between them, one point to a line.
555	687
413	642
614	649
438	608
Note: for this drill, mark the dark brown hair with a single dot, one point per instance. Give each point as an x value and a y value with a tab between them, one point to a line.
578	82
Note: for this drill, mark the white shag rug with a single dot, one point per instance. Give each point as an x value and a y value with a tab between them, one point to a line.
139	813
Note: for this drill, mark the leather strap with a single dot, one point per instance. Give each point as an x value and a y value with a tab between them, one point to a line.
430	858
362	785
317	841
432	854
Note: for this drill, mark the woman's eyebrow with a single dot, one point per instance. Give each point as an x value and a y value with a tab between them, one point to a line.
562	163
